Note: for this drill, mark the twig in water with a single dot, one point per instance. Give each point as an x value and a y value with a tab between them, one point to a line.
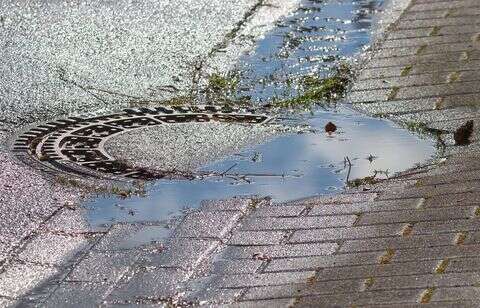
346	161
225	172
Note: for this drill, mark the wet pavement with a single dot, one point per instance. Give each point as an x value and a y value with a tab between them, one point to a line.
311	163
62	59
289	166
407	241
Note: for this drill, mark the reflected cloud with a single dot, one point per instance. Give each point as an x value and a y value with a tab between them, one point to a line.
292	167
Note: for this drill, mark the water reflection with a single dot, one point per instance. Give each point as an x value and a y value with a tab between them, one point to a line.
293	166
311	41
286	168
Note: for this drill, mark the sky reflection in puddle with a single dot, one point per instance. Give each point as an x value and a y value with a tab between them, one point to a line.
291	167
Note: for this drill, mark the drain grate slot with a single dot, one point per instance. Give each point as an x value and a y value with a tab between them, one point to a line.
76	144
134	122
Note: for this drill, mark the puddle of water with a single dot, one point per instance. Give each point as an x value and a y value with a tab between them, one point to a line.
293	166
148	235
311	41
285	168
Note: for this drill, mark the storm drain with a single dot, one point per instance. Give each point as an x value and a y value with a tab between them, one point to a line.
76	144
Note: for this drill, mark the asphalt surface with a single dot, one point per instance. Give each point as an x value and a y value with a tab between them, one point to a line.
185	147
60	58
66	58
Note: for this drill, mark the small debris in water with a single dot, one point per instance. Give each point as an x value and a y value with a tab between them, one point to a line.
330	128
257	157
371	158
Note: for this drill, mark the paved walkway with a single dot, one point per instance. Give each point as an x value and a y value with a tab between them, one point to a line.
410	241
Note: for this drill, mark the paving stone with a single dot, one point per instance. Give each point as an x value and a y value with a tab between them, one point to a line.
377	270
151	283
215	296
391	108
430	214
236	266
457	88
455	304
467	165
293	223
438	252
249	238
425	281
449	21
267	279
374	95
417	92
181	253
431	191
457	265
278	211
426	89
143	237
430	14
264	304
362	207
469	198
409	15
435	227
334	234
473	238
39	293
361	298
117	237
280	251
6	302
345	198
398	242
71	221
413	50
103	266
459	29
78	295
400	34
463	176
53	249
207	224
406	81
468	159
316	262
303	289
233	204
426	41
421	69
20	277
457	293
443	5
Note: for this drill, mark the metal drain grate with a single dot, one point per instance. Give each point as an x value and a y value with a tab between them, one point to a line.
75	145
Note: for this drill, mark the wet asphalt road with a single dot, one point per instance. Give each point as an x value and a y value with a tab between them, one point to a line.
60	58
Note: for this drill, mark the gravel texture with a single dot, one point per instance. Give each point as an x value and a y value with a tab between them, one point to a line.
185	147
61	58
64	57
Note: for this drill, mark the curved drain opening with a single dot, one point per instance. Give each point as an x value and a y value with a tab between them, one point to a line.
76	145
